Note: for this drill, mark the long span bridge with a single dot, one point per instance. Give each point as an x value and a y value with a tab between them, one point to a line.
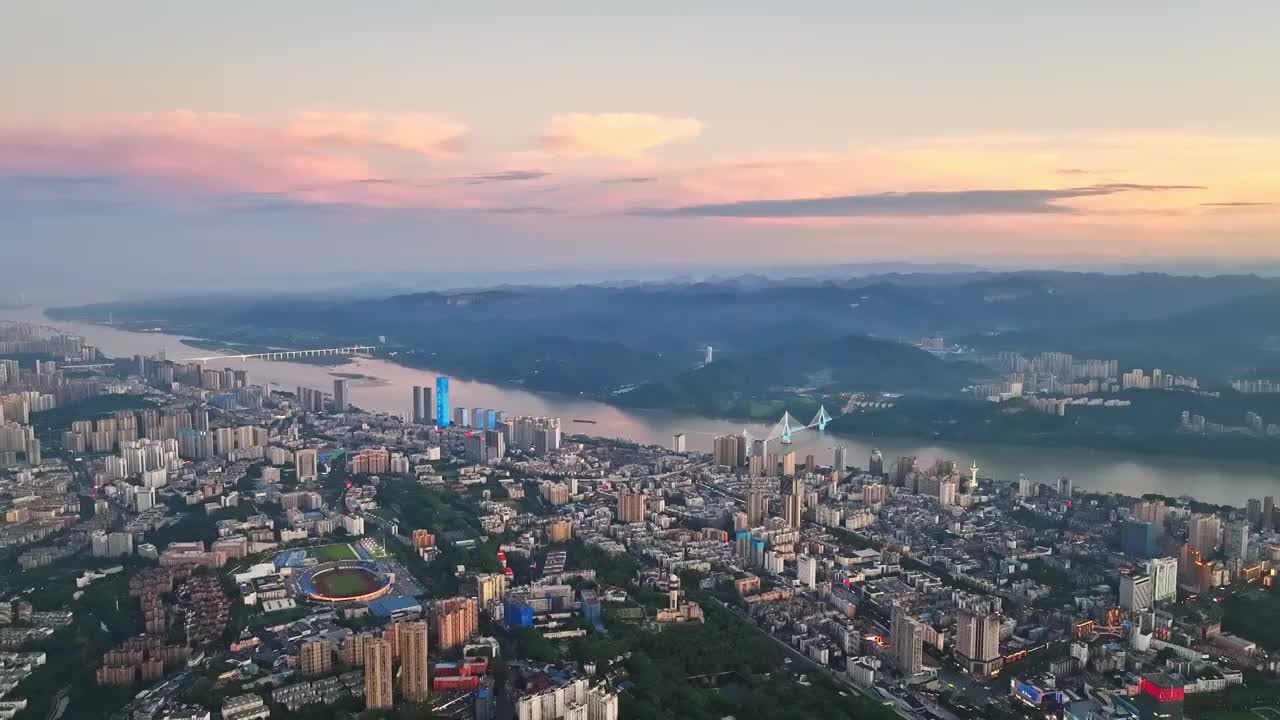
286	354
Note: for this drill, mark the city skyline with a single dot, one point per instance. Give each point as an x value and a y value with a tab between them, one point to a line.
664	141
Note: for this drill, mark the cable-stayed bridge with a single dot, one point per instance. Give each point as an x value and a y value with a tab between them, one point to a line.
789	426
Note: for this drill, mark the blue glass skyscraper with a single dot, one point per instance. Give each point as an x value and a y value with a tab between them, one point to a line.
442	402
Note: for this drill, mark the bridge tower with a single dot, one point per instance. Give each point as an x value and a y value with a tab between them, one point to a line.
785	427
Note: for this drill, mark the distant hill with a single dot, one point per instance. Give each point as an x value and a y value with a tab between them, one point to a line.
738	386
767	333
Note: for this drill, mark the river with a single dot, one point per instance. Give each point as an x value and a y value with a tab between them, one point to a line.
387	389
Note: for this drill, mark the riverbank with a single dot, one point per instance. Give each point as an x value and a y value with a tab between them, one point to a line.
1219	481
932	420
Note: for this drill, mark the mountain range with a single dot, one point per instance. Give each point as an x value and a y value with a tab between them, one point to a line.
768	334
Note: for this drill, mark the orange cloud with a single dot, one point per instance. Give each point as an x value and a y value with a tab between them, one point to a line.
615	134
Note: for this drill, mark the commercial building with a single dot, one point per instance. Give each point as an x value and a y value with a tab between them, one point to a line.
307	463
1164	579
1136	593
341	395
978	642
1161	696
442	402
1138	539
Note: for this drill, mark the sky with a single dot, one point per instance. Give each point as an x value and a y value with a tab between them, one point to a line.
157	145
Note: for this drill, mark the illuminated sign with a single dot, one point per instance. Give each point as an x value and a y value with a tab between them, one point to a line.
1029	692
1162	694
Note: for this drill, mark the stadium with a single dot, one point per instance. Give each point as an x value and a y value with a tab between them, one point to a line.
345	581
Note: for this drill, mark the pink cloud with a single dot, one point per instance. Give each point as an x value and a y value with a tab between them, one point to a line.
428	135
223	151
615	134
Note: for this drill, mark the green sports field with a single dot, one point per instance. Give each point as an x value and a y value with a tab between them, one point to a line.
332	553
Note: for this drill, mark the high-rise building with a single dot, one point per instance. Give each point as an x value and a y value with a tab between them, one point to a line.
906	639
744	448
352	651
559	530
724	450
1269	516
378	674
474	446
414	675
788	462
540	435
839	459
875	465
462	417
1236	541
807	571
417	403
307	463
341	395
978	642
490	587
370	461
1253	513
793	502
1151	511
1064	487
1204	532
874	494
1164	579
677	443
602	703
455	620
902	471
442	402
631	506
946	493
1136	593
315	658
1138	539
495	444
757	502
1025	487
